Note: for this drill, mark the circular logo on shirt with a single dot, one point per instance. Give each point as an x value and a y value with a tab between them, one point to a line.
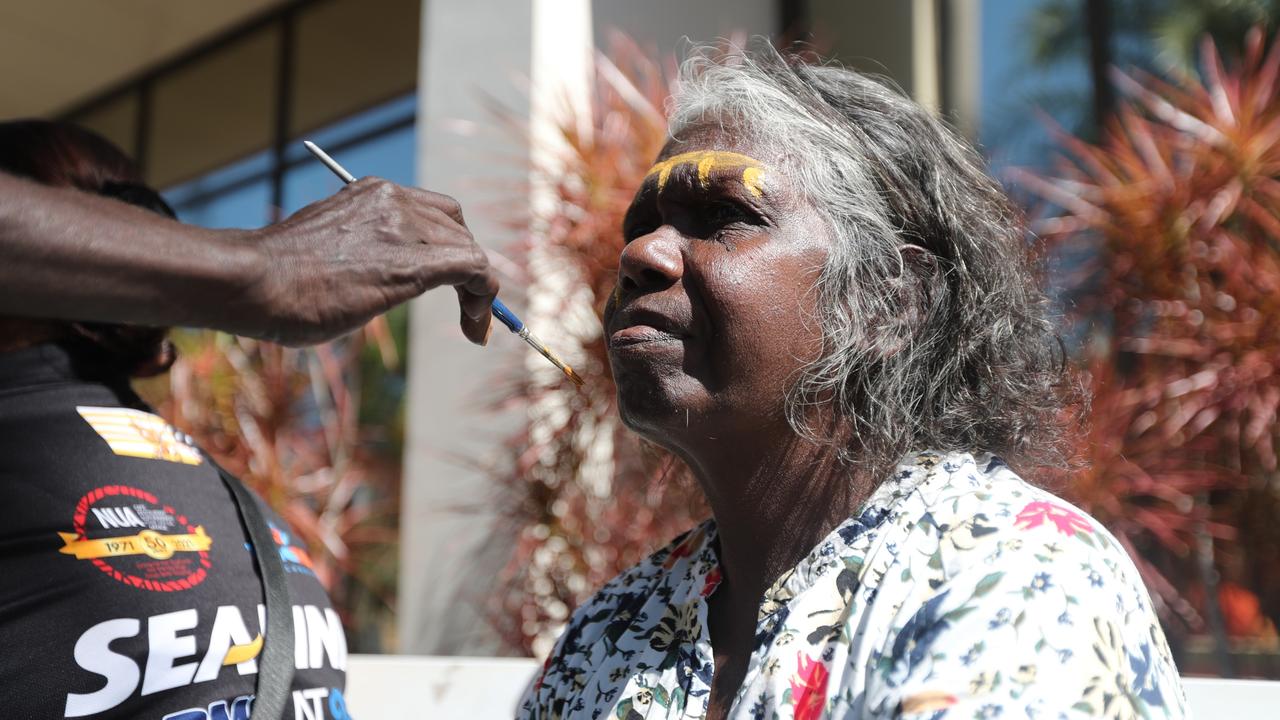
130	535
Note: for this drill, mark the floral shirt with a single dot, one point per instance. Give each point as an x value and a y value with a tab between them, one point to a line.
957	591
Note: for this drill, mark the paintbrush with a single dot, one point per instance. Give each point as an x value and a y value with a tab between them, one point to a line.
500	311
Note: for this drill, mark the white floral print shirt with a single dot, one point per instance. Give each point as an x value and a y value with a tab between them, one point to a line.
958	591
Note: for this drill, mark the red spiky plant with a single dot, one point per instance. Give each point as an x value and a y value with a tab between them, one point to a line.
587	497
296	426
1170	226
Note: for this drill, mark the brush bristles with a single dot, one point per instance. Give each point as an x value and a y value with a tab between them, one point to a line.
542	349
577	379
565	368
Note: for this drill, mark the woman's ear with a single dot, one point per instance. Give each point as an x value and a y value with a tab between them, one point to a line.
917	261
911	290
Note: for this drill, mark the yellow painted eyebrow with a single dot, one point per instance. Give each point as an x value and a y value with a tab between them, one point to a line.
707	161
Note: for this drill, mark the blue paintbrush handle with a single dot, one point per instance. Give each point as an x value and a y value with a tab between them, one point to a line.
506	317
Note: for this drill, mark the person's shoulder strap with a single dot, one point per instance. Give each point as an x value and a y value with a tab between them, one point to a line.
275	664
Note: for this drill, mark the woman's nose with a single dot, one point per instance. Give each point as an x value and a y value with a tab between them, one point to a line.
651	262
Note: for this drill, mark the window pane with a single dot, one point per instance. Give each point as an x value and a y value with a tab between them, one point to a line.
245	207
116	121
370	121
1017	93
351	54
215	110
254	167
389	156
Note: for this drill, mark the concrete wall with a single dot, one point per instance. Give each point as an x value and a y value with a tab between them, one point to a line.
472	65
665	24
448	547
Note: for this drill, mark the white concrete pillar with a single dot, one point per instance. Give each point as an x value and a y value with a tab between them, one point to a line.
473	53
924	54
962	68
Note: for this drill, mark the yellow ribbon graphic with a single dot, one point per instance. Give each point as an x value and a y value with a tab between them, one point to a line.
148	542
237	654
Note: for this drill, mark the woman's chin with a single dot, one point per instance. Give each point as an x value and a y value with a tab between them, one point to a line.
656	411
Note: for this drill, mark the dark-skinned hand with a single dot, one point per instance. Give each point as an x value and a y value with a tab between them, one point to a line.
337	263
324	271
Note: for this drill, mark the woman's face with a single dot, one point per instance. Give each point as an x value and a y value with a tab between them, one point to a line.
713	313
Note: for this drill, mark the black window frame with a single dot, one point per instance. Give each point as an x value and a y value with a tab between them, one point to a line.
284	19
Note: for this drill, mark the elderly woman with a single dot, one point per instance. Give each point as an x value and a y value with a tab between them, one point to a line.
825	308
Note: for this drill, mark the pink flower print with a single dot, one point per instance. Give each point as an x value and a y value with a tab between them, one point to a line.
809	688
1036	513
712	582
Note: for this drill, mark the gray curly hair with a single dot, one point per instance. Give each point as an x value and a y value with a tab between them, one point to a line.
935	331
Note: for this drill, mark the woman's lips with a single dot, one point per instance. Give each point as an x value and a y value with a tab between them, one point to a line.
642	337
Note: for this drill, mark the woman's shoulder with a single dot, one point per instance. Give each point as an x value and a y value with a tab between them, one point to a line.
977	509
1001	546
970	521
992	572
599	628
681	559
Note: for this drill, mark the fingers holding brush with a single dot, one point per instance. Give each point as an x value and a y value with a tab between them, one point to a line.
338	262
479	287
475	298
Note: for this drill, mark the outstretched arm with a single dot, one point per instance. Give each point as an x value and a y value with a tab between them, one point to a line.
321	272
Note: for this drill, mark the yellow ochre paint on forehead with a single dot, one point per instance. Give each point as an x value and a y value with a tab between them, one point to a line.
708	161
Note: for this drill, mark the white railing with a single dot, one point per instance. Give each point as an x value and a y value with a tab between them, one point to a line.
409	687
392	687
1213	698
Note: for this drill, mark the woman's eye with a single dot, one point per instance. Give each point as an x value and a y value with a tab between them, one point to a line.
726	213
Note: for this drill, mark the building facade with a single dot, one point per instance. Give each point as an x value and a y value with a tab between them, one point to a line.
213	99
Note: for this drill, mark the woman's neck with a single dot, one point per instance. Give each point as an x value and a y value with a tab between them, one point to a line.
774	505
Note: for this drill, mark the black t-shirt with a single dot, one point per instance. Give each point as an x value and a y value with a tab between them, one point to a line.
128	588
